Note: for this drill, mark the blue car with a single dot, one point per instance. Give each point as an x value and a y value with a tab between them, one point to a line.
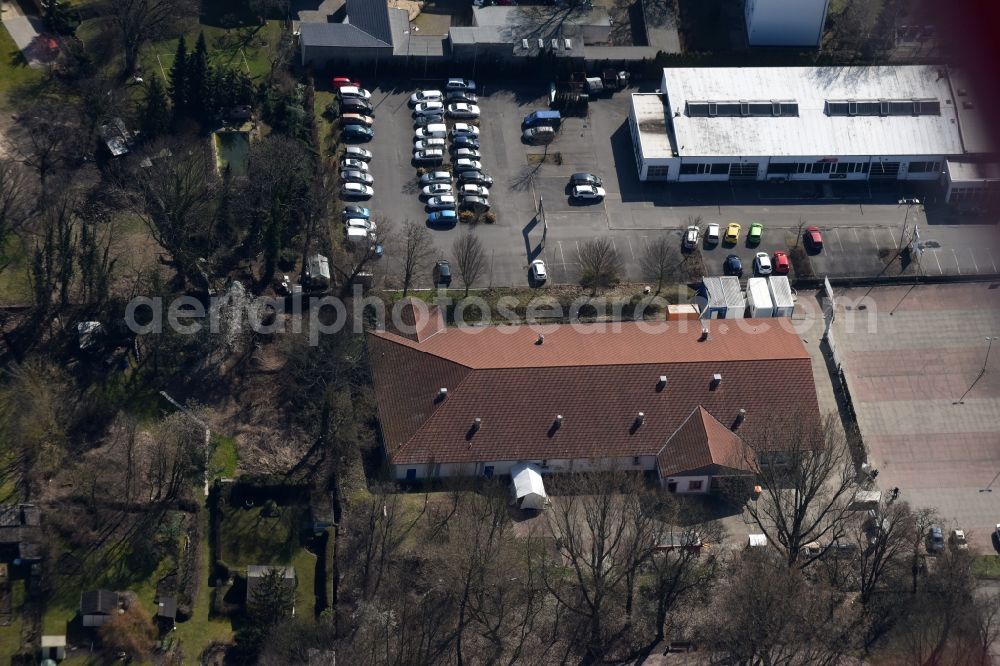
357	133
443	217
733	265
357	213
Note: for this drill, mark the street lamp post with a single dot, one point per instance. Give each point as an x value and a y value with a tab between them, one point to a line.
989	346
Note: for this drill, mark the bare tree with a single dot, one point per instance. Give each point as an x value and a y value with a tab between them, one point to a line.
660	260
138	21
356	258
51	135
808	480
417	248
470	258
13	204
882	539
600	263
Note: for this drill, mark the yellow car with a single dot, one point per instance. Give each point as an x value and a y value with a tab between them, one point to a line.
732	233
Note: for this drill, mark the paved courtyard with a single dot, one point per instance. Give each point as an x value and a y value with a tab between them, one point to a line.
909	357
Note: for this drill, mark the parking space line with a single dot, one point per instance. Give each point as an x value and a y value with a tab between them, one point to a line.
974	260
856	237
630	247
940	270
839	242
874	237
958	266
990	255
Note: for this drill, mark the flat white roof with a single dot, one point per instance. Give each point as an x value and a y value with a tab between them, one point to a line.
961	171
812	132
650	116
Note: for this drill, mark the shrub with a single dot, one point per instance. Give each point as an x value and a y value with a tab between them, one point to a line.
467	217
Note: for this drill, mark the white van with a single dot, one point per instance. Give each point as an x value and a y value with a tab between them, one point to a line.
432	131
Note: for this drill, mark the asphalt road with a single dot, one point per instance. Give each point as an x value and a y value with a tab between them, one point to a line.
858	222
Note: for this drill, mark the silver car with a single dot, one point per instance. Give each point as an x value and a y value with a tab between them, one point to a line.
355	176
436	189
445	201
357	165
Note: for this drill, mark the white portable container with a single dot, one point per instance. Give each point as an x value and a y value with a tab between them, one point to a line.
781	295
759	298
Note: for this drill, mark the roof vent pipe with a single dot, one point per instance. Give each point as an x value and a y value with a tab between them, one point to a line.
639	418
442	394
540	340
477	423
558	421
716	380
739	418
662	383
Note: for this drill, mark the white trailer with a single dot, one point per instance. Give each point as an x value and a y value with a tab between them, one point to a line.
781	295
759	298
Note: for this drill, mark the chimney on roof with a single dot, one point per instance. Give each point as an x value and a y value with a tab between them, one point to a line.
477	423
558	421
540	340
716	381
640	418
704	332
442	394
739	419
662	383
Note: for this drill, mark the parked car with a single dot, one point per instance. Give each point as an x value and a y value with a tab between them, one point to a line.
359	223
935	540
357	119
537	271
357	165
471	190
357	212
588	192
356	133
733	232
463	110
431	156
424	121
435	177
442	202
436	189
691	238
476	204
425	96
464	129
428	109
464	164
756	233
781	263
343	81
460	84
762	263
442	273
477	177
424	144
712	234
958	540
358	153
356	105
814	239
356	190
584	178
344	92
435	130
540	134
462	96
468	153
733	265
355	176
464	142
443	217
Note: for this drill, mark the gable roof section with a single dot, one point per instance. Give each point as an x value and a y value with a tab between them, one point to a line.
700	442
597	379
371	16
337	34
98	602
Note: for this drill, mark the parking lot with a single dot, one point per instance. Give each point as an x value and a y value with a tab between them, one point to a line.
861	226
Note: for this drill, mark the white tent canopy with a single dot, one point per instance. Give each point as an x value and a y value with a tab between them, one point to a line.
527	486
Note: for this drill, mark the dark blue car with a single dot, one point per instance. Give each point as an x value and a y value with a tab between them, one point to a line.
356	133
733	265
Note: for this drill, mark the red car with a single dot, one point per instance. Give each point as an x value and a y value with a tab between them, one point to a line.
814	240
780	263
340	81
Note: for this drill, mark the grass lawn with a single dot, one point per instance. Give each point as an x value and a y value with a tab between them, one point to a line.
10	636
250	49
224	457
14	70
249	537
987	566
201	630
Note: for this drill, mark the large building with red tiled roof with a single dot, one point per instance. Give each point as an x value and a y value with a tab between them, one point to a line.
474	401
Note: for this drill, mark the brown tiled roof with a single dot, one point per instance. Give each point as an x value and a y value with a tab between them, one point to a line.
597	378
701	442
418	320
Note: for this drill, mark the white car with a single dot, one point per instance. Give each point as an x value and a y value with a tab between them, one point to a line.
424	144
442	202
469	153
352	91
712	235
428	109
436	189
463	110
358	223
537	271
762	263
464	129
357	165
354	176
358	190
471	190
358	153
431	131
425	96
466	165
432	156
691	238
588	192
460	84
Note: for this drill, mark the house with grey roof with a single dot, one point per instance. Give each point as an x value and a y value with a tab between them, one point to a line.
371	31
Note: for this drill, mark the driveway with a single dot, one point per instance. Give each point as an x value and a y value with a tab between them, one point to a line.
28	34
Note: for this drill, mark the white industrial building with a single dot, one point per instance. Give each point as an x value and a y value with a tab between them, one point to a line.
785	22
806	123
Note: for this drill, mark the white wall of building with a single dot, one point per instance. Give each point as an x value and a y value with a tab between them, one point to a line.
785	22
688	485
502	467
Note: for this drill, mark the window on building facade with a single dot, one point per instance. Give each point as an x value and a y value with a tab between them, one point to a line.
924	167
658	172
695	485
